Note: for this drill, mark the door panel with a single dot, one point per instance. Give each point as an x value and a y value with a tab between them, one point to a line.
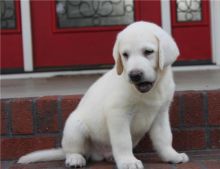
59	44
11	38
191	29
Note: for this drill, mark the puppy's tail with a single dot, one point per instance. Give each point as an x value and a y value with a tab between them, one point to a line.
42	155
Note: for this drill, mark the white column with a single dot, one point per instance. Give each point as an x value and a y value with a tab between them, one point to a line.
26	35
166	16
215	30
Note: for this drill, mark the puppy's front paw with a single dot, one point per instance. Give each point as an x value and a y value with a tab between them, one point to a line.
75	161
178	158
130	164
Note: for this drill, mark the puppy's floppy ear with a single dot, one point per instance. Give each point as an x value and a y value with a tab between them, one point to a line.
168	50
117	57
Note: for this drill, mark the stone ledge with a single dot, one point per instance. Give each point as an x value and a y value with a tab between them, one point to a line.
66	82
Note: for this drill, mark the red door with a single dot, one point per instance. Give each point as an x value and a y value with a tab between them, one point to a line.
81	34
192	31
11	38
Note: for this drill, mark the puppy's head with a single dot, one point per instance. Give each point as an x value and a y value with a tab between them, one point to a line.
142	49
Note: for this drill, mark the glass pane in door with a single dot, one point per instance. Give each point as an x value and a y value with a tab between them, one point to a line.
188	10
7	14
90	13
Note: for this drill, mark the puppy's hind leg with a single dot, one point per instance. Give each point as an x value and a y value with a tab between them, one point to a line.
75	142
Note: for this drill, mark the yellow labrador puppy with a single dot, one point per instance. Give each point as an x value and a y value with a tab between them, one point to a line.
131	99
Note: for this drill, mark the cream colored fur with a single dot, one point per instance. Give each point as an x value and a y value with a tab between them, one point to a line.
113	115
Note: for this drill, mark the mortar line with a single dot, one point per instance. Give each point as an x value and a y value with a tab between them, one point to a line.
35	123
59	113
33	109
9	117
181	110
59	118
205	109
31	135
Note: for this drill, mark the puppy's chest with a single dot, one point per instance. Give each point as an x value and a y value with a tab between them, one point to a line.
142	120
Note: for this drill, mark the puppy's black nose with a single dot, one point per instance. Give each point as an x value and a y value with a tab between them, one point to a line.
135	76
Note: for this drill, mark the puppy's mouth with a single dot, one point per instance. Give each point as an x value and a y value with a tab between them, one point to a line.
144	87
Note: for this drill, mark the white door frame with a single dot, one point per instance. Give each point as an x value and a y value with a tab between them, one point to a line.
215	30
166	16
26	35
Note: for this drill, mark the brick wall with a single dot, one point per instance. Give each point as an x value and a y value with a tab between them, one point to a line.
29	124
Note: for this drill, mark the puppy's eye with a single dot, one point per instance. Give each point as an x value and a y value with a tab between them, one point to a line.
126	55
148	52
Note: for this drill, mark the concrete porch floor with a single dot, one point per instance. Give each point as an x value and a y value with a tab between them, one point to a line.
198	79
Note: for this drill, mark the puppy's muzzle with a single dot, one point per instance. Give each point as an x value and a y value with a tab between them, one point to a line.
137	78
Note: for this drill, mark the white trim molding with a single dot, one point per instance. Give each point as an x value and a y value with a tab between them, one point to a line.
166	16
98	72
53	74
26	35
215	30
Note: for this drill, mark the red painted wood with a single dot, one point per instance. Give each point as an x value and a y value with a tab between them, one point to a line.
148	10
11	44
78	46
193	38
93	45
11	51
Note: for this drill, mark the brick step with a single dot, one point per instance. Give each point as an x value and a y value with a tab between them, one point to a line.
29	124
198	160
